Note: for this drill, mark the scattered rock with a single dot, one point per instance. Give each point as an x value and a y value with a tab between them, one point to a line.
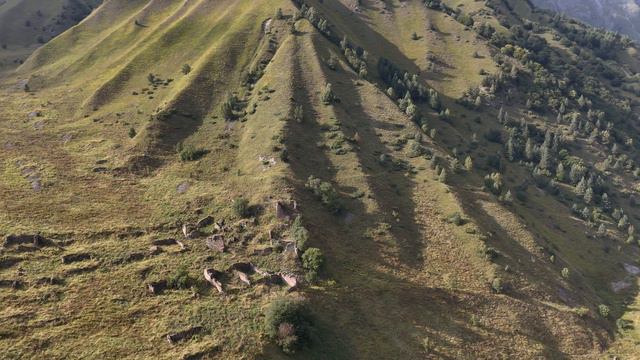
216	242
632	269
183	247
190	231
618	286
157	287
184	335
155	250
213	277
263	252
286	211
205	222
182	187
33	114
243	277
290	280
71	258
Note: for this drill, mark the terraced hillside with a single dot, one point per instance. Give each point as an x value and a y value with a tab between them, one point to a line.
320	180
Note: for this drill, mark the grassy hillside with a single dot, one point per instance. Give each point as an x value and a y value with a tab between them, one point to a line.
448	201
27	24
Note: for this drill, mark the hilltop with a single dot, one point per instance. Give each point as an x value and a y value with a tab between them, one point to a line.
321	179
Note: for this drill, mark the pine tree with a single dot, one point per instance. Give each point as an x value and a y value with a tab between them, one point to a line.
545	157
602	230
511	149
588	196
606	204
560	174
624	222
581	187
227	107
443	176
528	150
328	96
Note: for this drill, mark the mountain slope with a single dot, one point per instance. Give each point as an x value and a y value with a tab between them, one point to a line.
465	174
616	15
27	24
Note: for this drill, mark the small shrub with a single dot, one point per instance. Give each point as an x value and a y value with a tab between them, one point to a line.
496	286
299	233
456	219
132	133
181	279
186	69
241	207
603	310
326	193
312	261
191	153
580	311
288	323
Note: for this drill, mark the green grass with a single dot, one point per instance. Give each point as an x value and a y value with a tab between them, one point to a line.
399	279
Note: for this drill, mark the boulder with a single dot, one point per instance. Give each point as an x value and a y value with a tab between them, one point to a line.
157	287
216	243
213	277
155	250
290	280
204	222
243	277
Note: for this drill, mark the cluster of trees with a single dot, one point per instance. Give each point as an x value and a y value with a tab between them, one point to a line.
603	43
319	22
356	57
402	82
326	193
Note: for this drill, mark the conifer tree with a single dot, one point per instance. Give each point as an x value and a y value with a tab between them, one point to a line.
468	163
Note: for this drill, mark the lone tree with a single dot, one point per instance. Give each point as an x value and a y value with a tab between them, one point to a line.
186	69
328	96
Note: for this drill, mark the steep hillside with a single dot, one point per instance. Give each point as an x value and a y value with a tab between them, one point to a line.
616	15
362	179
27	24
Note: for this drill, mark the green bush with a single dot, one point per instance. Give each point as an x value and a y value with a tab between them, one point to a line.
456	219
288	323
312	261
603	310
241	207
191	153
180	279
299	233
326	193
132	133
